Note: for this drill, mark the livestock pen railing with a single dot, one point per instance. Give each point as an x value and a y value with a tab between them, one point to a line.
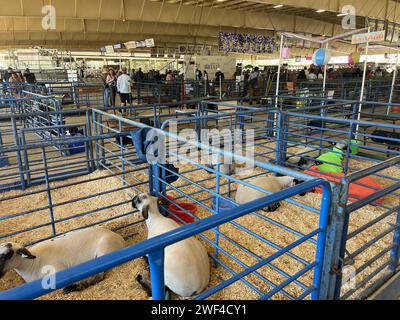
367	183
350	89
200	198
349	109
37	118
374	241
62	198
154	248
155	114
265	254
59	185
65	157
189	89
289	265
79	94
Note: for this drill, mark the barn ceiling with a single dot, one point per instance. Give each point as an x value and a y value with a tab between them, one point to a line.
93	23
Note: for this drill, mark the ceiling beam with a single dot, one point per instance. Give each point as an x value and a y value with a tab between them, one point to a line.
22	7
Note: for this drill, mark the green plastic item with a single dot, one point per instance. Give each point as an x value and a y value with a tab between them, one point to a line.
354	146
335	160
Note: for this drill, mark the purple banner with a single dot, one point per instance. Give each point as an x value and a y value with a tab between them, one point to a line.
246	43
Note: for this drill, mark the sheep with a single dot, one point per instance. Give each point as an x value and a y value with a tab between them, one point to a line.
315	125
273	184
230	169
186	263
305	154
380	135
227	165
300	159
320	125
60	253
125	139
74	130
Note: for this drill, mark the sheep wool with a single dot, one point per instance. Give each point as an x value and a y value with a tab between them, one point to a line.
186	263
62	253
273	184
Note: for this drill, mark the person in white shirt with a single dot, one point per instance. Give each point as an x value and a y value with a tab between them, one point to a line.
124	87
312	76
307	72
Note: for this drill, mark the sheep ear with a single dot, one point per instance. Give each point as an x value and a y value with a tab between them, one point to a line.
24	253
145	212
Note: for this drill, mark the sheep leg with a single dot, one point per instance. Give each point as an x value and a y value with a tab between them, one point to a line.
144	280
273	207
84	284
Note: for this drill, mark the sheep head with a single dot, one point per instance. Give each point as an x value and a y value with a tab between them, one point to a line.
295	183
10	253
146	204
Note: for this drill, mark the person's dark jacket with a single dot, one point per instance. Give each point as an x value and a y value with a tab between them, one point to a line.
7	76
30	77
219	76
302	75
139	76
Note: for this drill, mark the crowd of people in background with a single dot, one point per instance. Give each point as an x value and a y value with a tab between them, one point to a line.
15	76
118	82
250	77
317	73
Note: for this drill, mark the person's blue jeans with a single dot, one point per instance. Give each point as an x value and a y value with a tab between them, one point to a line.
106	97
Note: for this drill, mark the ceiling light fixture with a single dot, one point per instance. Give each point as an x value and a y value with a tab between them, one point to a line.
278	6
320	11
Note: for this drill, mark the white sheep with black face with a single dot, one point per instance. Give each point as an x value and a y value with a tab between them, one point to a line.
302	156
60	253
186	264
245	194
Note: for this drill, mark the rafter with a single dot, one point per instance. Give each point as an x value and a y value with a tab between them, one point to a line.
203	18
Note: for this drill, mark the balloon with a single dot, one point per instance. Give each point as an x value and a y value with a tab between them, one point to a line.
354	58
321	57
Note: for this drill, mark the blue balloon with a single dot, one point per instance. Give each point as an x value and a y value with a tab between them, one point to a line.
321	57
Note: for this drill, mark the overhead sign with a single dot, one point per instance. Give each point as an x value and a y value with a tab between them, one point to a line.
148	43
377	36
109	49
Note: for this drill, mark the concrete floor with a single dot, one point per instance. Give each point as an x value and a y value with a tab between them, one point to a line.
389	291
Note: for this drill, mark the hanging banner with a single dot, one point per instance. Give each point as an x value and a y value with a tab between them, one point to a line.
246	43
377	36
